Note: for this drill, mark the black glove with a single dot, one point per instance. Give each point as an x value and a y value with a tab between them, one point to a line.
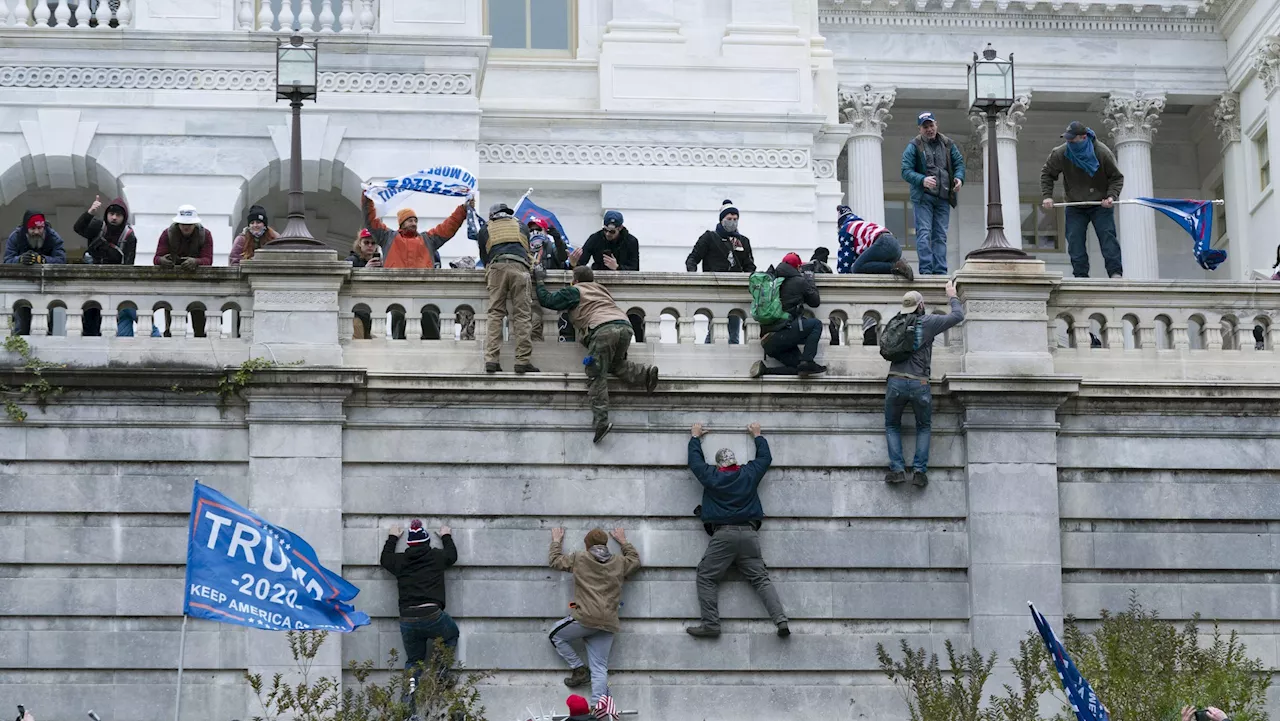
190	264
28	257
166	262
539	273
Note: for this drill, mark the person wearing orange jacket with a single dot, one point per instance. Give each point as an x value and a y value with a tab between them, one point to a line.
406	247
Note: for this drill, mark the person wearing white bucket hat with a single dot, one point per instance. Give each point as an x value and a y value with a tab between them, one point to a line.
186	243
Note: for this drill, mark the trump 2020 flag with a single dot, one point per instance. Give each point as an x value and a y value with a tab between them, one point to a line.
1195	217
1083	700
440	180
527	210
243	570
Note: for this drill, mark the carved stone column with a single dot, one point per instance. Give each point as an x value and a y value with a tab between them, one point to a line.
866	111
1267	64
1008	123
1226	120
1133	119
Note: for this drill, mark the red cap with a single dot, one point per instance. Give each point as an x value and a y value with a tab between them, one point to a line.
578	705
37	218
539	222
792	260
364	233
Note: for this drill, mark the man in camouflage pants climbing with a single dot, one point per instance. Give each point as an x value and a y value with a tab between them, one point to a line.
606	332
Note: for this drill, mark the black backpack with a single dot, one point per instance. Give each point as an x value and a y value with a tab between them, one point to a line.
902	336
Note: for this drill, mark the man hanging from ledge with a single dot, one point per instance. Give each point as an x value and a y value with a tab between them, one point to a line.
606	331
406	247
731	514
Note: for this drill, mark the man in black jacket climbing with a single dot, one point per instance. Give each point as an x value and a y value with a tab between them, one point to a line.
419	573
731	514
782	340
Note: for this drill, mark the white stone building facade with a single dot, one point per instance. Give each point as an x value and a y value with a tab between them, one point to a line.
660	109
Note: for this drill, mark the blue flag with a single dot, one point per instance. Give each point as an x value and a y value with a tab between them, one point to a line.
528	210
1083	700
1195	217
246	571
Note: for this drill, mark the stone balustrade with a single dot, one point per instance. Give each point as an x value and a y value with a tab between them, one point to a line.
311	16
1094	329
67	14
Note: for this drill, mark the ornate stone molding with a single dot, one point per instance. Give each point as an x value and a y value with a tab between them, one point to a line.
866	109
1226	118
26	76
649	155
1008	122
1266	61
1014	22
824	169
1133	118
1020	309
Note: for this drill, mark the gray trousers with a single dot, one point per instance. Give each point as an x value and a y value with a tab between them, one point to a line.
598	644
730	546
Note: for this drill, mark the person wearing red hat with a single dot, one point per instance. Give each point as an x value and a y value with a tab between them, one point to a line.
579	709
782	340
419	573
33	242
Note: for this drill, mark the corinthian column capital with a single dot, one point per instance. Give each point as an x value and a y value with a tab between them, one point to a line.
1133	117
1226	118
1266	61
866	109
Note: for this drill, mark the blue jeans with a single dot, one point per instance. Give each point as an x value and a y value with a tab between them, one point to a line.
419	637
932	215
898	393
1104	226
125	318
735	327
783	345
879	257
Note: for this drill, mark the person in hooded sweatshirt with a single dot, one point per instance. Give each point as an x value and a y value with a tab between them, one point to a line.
593	614
419	573
111	239
255	235
783	340
34	242
731	514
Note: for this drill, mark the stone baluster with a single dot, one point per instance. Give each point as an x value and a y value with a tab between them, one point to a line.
265	18
367	18
1113	335
83	15
124	16
41	15
718	328
177	323
212	325
21	14
1008	123
102	15
866	110
379	329
448	327
1133	120
74	323
413	324
1146	335
1080	335
145	323
653	328
286	15
327	15
1273	333
1179	332
1212	334
307	18
346	327
39	322
62	15
347	19
6	14
246	326
684	329
245	15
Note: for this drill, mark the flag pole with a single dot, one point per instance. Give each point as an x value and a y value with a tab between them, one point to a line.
182	653
1126	201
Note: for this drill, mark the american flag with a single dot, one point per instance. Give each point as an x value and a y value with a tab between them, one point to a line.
1083	700
606	709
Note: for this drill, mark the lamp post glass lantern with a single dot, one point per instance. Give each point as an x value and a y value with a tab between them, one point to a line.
990	91
296	75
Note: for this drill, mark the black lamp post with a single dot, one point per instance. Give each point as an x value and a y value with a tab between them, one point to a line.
296	76
990	91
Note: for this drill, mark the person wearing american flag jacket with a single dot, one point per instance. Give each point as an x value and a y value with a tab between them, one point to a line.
867	247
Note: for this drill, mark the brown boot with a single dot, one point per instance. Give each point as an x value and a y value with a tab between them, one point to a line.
580	677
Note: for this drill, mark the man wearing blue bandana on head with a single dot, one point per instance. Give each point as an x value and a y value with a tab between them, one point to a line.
1089	173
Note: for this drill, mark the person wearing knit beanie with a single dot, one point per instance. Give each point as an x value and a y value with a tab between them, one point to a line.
783	339
419	573
579	709
723	250
255	235
405	247
598	576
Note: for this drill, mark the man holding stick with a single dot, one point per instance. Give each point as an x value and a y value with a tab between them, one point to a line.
1092	182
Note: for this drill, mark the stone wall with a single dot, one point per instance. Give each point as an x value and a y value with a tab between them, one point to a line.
1064	476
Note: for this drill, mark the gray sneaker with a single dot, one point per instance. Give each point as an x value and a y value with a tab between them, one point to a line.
895	477
919	479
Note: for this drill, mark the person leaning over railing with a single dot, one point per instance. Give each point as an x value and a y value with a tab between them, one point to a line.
111	239
32	243
365	253
256	234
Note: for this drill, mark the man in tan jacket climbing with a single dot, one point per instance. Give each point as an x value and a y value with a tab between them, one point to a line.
593	616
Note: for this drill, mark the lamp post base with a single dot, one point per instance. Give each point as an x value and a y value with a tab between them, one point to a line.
296	235
996	247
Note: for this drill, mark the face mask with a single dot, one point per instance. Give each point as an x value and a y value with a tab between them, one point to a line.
730	225
258	233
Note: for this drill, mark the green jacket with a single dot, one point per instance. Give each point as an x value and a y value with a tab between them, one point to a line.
1079	187
914	166
590	306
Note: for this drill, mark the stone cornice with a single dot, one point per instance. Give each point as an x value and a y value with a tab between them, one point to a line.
128	78
1226	118
644	155
866	110
1133	118
1013	21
